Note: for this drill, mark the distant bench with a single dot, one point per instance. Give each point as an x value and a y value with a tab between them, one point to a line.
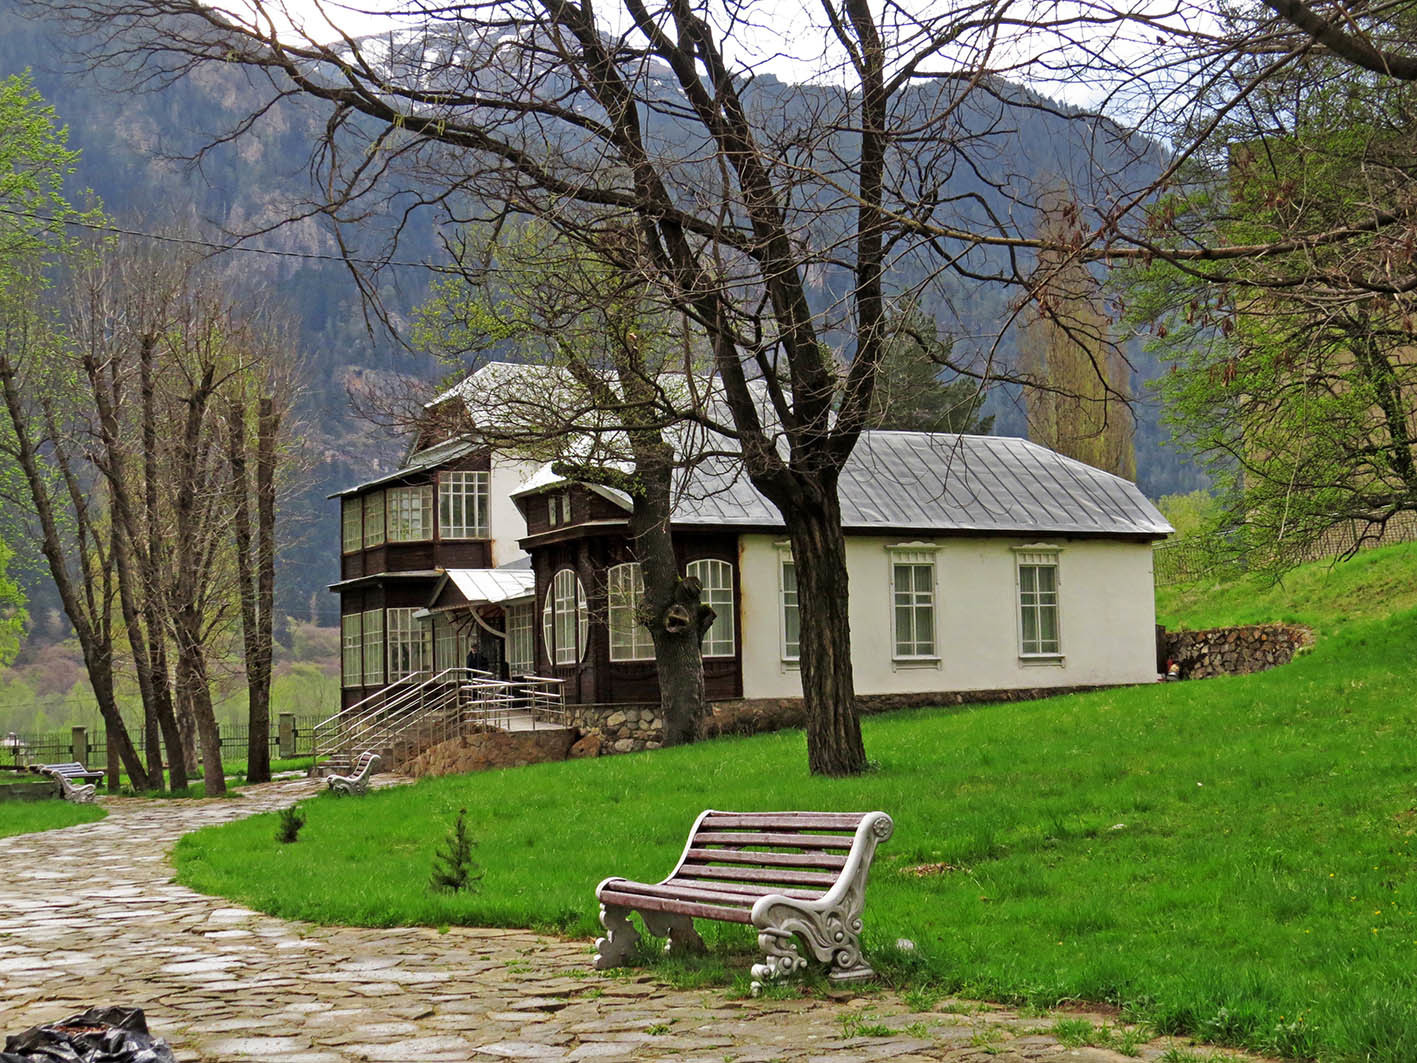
357	782
66	774
786	873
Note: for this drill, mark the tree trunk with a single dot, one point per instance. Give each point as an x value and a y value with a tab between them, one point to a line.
672	610
186	724
114	765
95	639
834	745
258	749
192	680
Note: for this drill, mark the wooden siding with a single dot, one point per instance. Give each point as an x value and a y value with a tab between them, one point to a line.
595	678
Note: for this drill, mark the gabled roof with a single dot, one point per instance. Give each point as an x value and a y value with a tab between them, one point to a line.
492	586
934	483
422	461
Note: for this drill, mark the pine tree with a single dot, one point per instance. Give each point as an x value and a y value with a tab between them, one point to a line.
453	866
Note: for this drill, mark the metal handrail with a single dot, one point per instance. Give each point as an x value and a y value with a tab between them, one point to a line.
475	695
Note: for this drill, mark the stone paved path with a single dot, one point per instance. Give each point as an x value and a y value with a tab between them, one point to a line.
90	915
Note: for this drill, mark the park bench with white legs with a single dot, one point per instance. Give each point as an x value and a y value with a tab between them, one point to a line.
786	873
357	782
65	774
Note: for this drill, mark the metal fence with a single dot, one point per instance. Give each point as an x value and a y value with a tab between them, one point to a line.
52	746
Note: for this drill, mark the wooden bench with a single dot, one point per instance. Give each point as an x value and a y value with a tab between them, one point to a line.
357	782
81	794
787	873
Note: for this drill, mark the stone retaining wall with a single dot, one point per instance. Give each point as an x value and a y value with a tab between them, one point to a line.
1235	650
491	749
630	728
617	728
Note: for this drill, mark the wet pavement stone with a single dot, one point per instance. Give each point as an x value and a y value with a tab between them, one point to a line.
90	915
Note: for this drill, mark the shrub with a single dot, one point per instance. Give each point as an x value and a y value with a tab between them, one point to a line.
289	824
453	866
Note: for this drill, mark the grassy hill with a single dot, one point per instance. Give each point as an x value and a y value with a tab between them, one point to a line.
1230	858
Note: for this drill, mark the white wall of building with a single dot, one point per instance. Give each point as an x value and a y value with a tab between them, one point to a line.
504	520
1106	617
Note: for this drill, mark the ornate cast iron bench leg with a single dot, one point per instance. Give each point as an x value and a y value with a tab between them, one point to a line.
780	958
618	945
683	940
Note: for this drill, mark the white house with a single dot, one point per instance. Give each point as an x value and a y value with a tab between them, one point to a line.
976	564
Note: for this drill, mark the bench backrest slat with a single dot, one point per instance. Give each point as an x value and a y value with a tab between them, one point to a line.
821	880
761	858
744	839
792	821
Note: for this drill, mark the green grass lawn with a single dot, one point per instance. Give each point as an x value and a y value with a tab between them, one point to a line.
1323	595
1229	858
26	817
234	770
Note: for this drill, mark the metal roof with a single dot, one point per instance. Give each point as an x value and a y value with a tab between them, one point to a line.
491	585
899	481
429	458
938	482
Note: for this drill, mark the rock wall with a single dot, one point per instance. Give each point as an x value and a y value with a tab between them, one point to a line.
611	729
619	728
491	749
1235	650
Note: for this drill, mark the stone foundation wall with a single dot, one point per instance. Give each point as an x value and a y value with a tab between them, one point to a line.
617	728
1235	650
491	749
611	729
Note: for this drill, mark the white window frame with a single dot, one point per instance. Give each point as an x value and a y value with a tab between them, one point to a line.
551	510
462	505
450	644
625	588
376	535
914	556
716	575
409	644
1039	555
410	516
564	618
789	656
352	524
351	650
521	645
372	647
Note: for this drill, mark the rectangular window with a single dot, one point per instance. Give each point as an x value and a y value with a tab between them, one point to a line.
521	651
462	505
374	647
1038	605
351	672
629	639
410	513
791	618
551	509
374	519
410	645
449	644
717	580
353	511
913	602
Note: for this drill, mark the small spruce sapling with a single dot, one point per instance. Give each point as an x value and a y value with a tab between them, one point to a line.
453	866
289	824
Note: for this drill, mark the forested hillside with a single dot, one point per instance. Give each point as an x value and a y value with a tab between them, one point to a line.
136	158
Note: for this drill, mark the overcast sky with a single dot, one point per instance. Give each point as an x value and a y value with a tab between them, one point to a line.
786	38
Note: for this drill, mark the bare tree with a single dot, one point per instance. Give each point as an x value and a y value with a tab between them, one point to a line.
608	395
774	220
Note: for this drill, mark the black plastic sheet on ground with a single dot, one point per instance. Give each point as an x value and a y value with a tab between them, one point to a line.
99	1035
